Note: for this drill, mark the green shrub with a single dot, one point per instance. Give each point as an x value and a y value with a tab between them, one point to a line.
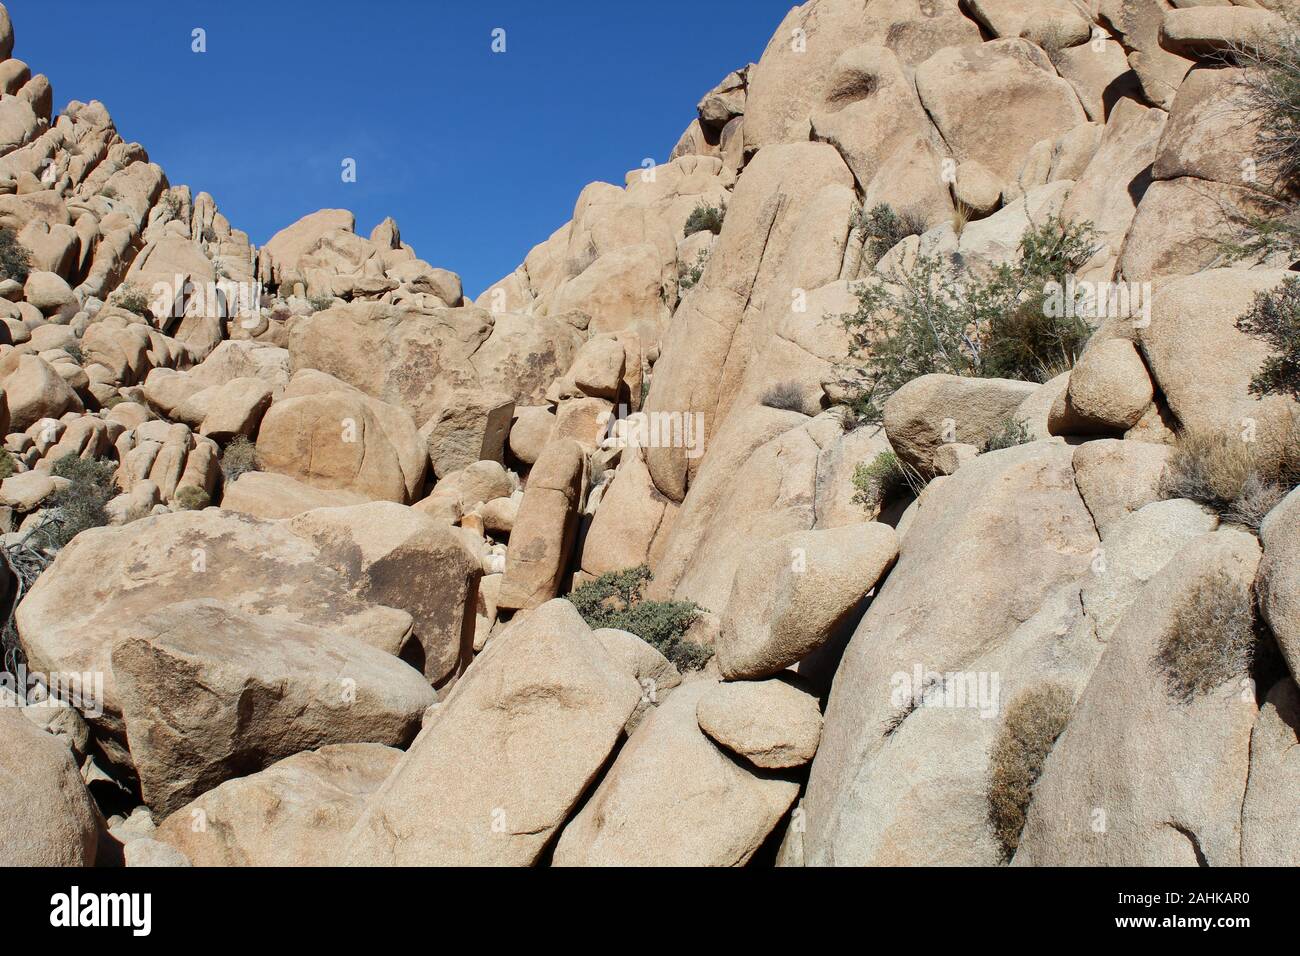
15	262
192	498
7	466
240	457
319	303
1270	82
937	318
132	298
784	395
73	349
706	217
1268	94
1223	472
882	479
1031	727
79	505
1275	317
616	599
691	277
881	229
1211	639
1011	432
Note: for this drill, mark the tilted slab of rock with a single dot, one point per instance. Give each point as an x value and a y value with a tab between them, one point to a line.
49	818
396	556
209	692
108	578
650	669
1118	477
1203	364
705	351
1141	777
771	723
296	812
1008	516
631	525
507	756
1279	577
673	798
545	527
797	593
1270	832
924	797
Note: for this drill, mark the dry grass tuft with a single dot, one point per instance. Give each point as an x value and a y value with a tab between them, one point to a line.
1033	722
1212	639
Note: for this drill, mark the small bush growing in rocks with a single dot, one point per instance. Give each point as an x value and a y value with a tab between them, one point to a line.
882	228
1212	639
79	505
1223	472
1032	724
1275	317
938	318
883	478
7	466
1011	432
132	298
192	498
15	263
691	277
784	395
705	217
616	599
240	457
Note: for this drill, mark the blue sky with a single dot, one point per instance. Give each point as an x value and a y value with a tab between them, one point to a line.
477	155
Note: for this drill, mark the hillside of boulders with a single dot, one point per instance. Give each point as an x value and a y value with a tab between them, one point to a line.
901	473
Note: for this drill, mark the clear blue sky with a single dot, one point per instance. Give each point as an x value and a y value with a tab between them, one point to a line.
477	155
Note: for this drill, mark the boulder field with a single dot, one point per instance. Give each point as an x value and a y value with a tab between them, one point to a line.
315	559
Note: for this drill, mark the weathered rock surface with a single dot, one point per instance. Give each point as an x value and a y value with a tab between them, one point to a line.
508	753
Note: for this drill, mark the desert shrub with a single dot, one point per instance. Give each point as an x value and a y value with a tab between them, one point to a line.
1275	317
881	228
240	457
15	262
1211	639
74	352
319	303
706	217
1268	93
7	466
169	206
1270	82
937	318
1011	432
690	278
882	478
110	192
1223	472
132	298
785	395
192	498
616	599
1032	724
80	504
